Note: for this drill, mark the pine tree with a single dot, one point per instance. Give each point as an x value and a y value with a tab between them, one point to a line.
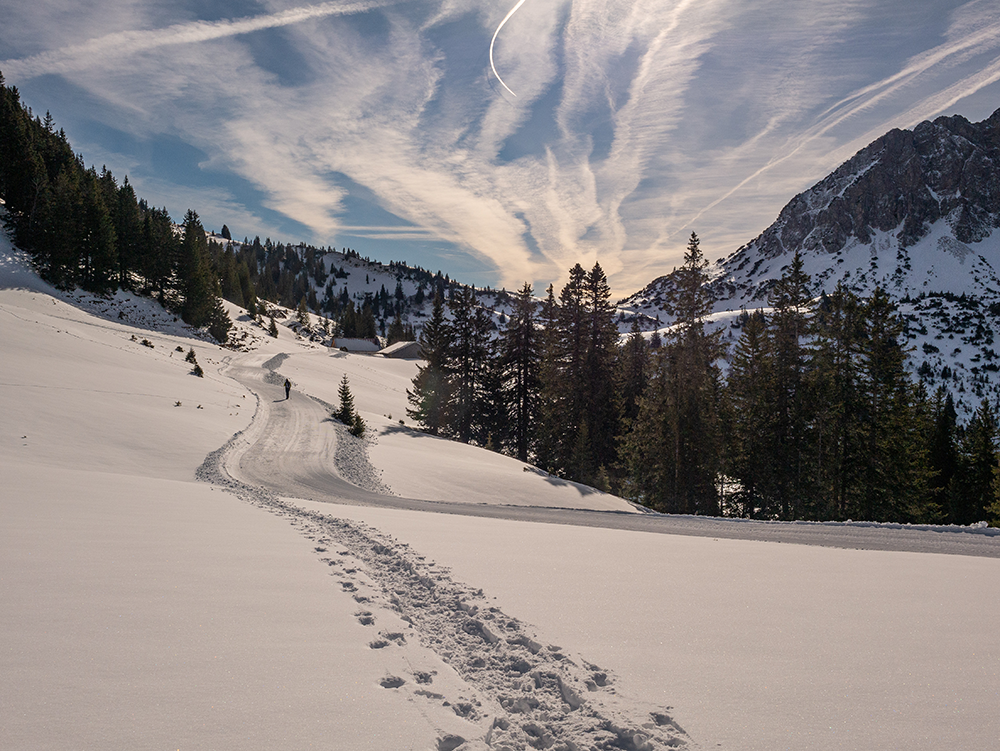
468	358
894	482
674	450
193	273
971	491
836	447
633	373
302	316
128	233
943	450
598	386
430	393
397	332
564	413
790	322
346	411
750	419
521	368
548	376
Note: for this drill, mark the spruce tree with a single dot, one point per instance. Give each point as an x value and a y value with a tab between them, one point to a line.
430	393
632	373
563	390
836	457
345	413
943	451
750	422
547	432
790	322
598	385
521	363
894	483
674	450
971	491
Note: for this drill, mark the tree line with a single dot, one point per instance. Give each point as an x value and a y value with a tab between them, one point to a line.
814	415
85	229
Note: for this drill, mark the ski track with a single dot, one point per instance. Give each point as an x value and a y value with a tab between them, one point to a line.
524	694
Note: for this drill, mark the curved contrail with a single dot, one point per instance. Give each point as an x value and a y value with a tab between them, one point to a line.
494	39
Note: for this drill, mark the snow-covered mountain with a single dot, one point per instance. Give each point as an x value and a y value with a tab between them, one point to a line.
915	213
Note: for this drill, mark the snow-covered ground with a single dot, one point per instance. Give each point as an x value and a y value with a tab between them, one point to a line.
141	607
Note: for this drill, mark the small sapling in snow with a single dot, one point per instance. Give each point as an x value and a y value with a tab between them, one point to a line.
196	370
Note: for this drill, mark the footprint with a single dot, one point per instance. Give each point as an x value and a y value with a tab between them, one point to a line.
391	681
365	618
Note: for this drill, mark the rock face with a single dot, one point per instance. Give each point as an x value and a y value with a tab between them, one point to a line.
905	181
915	213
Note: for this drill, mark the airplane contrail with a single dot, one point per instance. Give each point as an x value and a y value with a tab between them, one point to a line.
494	39
123	43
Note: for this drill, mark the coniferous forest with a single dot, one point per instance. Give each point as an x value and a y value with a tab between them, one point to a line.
811	415
85	229
814	417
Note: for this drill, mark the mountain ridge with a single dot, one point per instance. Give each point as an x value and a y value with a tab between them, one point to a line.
915	213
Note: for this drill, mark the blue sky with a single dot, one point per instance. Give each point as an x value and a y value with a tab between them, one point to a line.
599	130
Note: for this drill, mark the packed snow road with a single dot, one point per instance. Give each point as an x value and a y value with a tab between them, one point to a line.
294	449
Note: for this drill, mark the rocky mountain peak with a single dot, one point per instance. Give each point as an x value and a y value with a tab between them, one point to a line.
914	213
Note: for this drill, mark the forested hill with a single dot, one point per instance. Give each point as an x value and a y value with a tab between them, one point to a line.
85	228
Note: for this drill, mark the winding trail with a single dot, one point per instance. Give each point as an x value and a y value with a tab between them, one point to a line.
290	450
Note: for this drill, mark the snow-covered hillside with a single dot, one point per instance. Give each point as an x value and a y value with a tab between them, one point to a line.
915	214
478	606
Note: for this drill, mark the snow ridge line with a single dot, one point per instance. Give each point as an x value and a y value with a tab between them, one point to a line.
532	696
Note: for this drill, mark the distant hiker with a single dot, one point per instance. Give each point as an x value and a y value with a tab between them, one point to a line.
288	388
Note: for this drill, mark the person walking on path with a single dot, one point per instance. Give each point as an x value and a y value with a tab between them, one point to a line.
288	388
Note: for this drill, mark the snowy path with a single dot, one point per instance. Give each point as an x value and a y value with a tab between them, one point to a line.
290	449
519	693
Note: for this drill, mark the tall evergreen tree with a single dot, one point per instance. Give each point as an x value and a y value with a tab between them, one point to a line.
790	321
943	451
522	365
598	385
674	451
467	358
751	422
430	393
547	428
971	491
201	305
895	477
633	373
562	384
832	382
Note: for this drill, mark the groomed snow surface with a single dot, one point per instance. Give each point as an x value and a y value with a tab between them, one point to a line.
200	563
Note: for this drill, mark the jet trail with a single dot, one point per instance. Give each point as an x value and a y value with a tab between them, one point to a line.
494	39
98	51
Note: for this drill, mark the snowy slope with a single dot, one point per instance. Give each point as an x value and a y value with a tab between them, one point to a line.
142	608
915	214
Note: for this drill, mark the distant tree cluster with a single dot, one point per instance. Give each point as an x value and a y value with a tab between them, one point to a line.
83	228
816	418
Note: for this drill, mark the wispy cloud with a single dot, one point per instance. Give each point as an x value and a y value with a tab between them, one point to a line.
113	47
634	121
